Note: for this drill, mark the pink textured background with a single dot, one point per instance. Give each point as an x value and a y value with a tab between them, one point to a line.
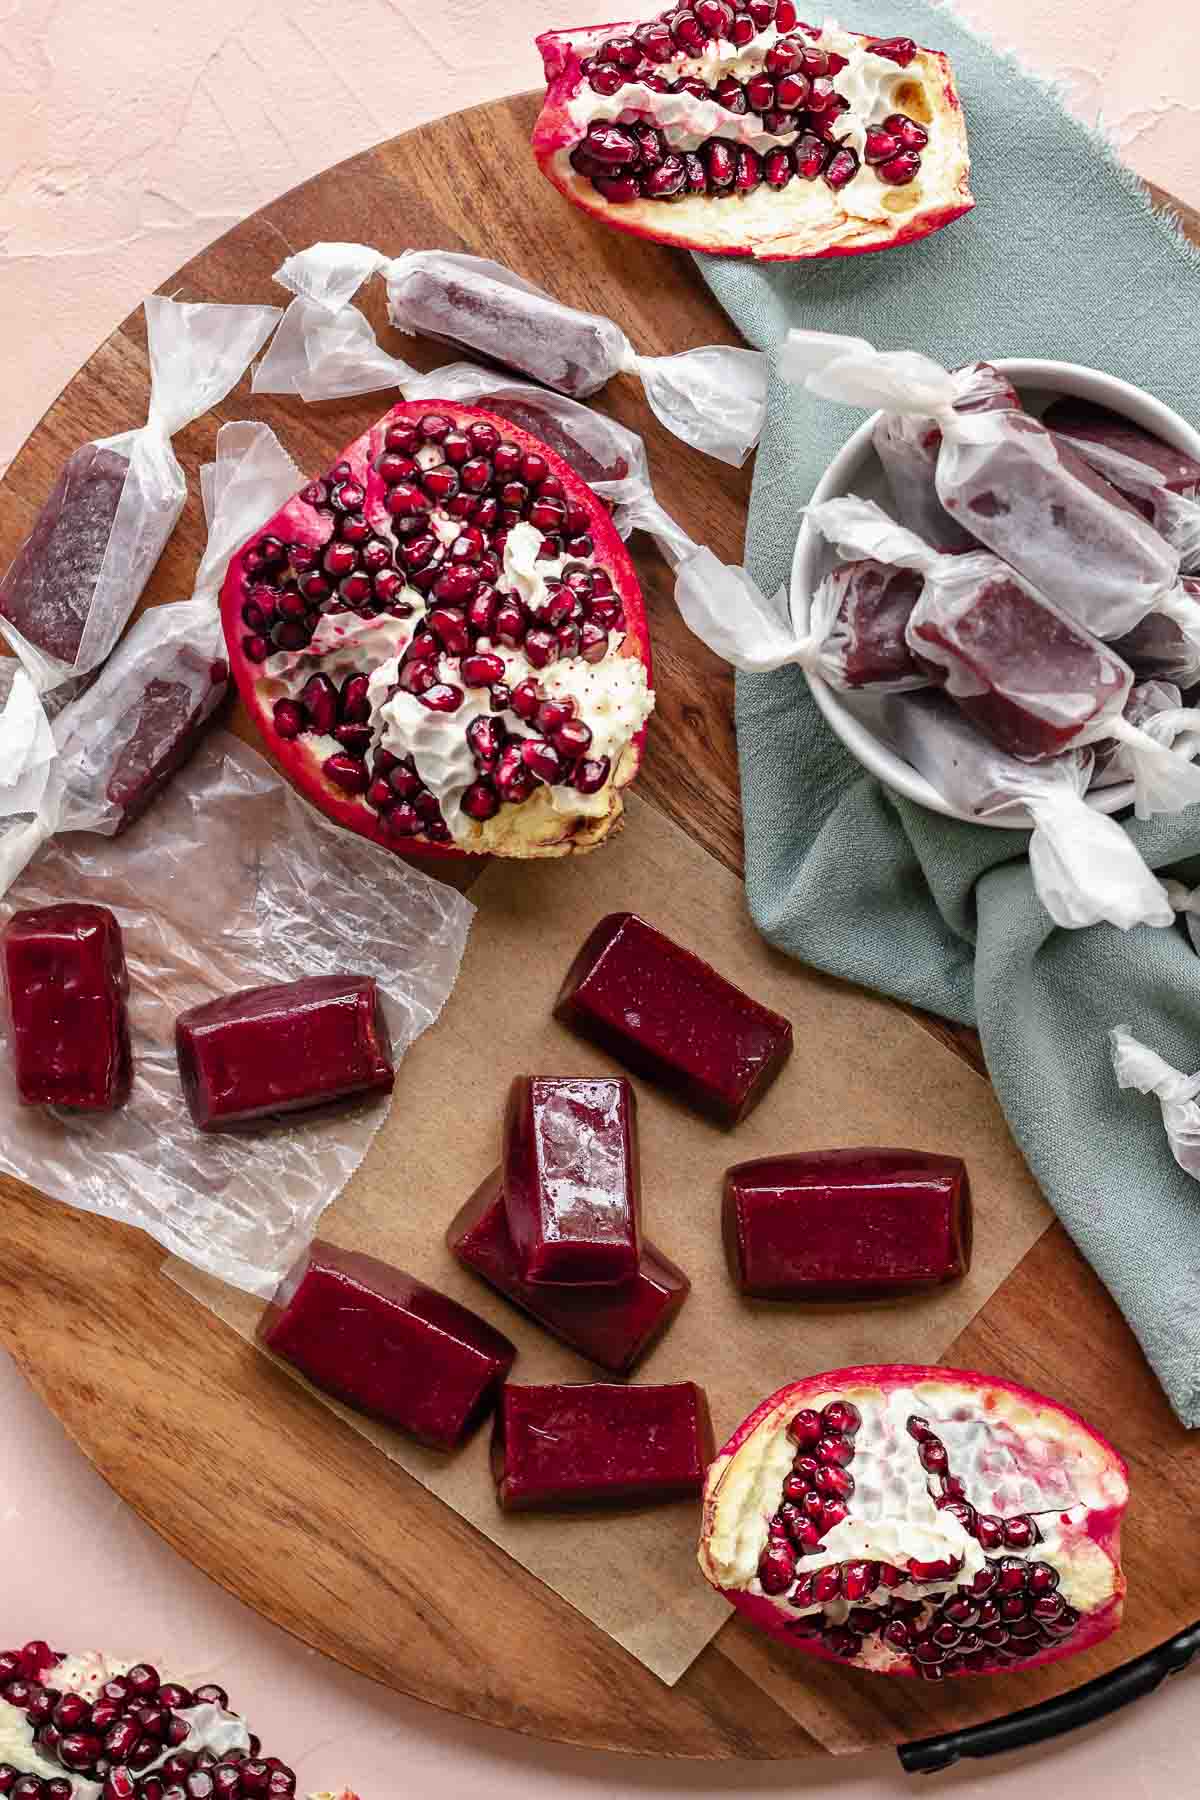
133	132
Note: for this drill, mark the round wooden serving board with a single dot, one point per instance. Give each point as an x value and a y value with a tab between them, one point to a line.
236	1466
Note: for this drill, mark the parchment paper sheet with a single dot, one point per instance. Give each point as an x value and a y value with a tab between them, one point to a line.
861	1073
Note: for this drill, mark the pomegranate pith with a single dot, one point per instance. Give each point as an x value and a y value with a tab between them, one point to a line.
918	1521
728	128
459	559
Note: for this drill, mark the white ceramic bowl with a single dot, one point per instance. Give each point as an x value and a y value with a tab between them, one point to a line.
857	470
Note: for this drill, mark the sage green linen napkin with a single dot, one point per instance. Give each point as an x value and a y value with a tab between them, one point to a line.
1061	258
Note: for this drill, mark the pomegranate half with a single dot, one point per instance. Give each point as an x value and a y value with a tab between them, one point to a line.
918	1521
443	642
733	127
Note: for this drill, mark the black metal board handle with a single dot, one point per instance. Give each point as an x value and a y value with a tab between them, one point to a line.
1095	1700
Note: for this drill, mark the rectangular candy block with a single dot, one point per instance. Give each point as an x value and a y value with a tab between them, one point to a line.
273	1050
602	1444
866	646
67	989
387	1345
672	1018
1086	423
572	1184
611	1326
1027	675
859	1224
170	722
49	586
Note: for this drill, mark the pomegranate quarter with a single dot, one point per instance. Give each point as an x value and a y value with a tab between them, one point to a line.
731	126
443	641
918	1521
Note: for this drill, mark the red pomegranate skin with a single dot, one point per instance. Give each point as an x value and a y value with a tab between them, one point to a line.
572	1179
283	1049
67	991
860	1224
695	1033
612	1326
1006	637
601	1444
387	1345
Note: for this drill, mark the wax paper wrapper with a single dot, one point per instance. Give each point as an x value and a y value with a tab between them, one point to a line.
73	584
1084	867
714	398
119	742
1039	716
908	447
27	747
1136	1066
1157	708
1021	490
231	882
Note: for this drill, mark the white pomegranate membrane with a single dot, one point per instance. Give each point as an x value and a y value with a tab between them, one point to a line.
918	1521
445	640
88	1727
735	126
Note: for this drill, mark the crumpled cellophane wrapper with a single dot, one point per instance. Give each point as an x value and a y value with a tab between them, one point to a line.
714	397
1136	1066
230	881
1074	539
197	353
180	646
1084	867
1164	777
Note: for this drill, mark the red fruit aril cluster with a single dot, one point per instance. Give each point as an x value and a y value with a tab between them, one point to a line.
793	94
134	1721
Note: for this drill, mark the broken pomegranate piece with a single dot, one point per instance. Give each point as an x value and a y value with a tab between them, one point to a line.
68	986
387	1345
673	1019
274	1050
443	641
600	1444
856	1224
611	1326
737	129
48	589
918	1521
572	1181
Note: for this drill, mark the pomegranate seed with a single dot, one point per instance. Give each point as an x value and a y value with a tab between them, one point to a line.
1021	1532
842	1418
730	94
339	559
776	1570
898	49
510	622
572	737
777	168
394	467
480	801
880	146
255	649
347	496
514	781
687	30
606	78
542	759
319	699
963	1511
442	696
434	427
354	529
468	546
540	647
715	16
227	1782
442	483
762	12
811	156
457	583
721	163
416	552
289	721
526	699
614	148
314	586
593	642
785	56
749	171
742	30
405	499
379	794
119	1784
791	91
489	566
910	135
654	41
346	772
506	457
450	627
481	610
834	1450
900	170
355	738
821	95
79	1750
760	92
481	670
591	774
805	1428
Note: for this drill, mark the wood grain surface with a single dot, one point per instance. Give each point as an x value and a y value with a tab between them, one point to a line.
231	1462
